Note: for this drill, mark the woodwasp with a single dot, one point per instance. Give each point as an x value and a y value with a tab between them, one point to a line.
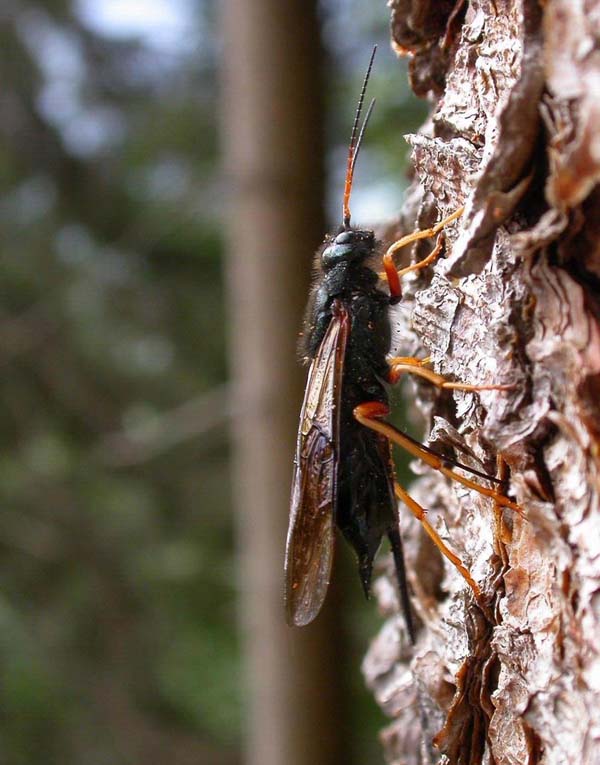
343	472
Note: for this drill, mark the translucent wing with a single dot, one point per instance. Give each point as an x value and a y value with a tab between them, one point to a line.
309	549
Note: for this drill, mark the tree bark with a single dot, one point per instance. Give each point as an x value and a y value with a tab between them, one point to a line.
514	135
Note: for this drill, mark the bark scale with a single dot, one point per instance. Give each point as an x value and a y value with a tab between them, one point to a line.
515	136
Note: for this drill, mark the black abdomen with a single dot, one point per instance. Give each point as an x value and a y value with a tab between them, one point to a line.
365	504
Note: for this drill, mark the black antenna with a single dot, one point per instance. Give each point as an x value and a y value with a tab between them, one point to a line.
361	134
354	144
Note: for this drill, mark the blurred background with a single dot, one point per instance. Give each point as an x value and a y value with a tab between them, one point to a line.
128	195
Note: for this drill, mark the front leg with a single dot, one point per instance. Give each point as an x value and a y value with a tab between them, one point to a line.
393	275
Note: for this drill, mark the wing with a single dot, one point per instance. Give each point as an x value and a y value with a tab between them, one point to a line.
309	549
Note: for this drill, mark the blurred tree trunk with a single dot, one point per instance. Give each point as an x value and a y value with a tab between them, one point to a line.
272	128
514	135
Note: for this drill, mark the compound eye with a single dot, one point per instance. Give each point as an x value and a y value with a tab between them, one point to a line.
346	237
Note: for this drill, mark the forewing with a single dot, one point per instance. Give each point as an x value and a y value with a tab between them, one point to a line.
309	549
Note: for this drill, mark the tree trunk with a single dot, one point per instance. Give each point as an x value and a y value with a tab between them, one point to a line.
515	136
272	131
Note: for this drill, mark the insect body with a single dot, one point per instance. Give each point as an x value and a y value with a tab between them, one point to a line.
343	471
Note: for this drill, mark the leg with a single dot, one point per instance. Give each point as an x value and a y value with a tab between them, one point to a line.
370	415
421	515
405	364
392	275
411	360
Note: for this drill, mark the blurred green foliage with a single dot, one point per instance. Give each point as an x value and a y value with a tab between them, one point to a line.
117	607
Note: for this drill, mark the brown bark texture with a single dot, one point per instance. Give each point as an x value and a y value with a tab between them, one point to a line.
515	136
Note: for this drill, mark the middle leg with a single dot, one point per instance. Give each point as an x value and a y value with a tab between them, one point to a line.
400	365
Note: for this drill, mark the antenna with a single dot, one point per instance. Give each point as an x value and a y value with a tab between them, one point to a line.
355	143
361	134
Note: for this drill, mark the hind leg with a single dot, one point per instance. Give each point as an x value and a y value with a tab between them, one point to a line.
421	515
371	415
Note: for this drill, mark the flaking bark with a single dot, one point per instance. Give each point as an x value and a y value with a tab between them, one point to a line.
515	136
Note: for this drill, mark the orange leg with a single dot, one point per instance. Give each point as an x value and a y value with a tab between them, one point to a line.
421	515
405	364
370	415
391	273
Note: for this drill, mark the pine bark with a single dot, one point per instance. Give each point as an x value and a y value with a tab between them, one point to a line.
514	135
